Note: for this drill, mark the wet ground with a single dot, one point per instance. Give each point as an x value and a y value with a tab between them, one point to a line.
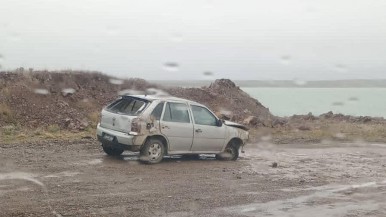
77	179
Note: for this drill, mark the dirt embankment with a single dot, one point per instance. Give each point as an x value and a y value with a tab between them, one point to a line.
73	100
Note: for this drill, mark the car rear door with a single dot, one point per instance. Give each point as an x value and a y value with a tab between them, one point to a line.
208	137
177	126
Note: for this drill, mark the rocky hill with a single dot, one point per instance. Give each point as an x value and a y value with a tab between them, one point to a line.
73	99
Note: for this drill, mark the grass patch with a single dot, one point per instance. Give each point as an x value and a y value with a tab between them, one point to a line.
8	136
53	128
94	117
5	91
6	113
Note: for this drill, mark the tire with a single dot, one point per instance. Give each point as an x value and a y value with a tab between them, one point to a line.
231	153
152	152
112	151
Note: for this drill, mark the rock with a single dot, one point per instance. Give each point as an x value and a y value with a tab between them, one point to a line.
251	120
87	137
224	117
84	124
327	115
67	122
268	123
279	122
304	128
274	165
223	83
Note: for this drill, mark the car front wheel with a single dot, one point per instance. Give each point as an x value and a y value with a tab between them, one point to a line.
231	153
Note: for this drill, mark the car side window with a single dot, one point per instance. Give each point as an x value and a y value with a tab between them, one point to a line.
157	112
176	112
203	116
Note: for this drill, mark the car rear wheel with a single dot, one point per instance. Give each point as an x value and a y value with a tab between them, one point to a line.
112	151
231	153
152	152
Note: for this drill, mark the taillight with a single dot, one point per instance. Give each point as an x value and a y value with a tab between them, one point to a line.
135	126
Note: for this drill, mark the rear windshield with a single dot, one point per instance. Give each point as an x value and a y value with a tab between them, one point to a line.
128	106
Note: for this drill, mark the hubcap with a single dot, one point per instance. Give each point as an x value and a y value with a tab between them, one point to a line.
154	151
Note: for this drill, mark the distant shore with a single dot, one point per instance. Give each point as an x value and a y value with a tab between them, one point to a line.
355	83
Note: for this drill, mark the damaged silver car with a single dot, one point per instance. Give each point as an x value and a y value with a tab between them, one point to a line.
159	126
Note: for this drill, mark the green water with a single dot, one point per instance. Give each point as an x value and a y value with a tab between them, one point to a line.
351	101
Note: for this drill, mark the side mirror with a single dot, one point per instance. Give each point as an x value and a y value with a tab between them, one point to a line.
219	122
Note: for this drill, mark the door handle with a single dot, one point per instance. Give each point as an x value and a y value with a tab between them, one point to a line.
165	127
198	131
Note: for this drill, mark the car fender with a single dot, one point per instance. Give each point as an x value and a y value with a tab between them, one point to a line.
234	132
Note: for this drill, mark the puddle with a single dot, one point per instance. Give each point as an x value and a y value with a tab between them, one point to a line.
62	174
21	176
89	162
31	178
10	190
304	206
131	158
95	162
327	200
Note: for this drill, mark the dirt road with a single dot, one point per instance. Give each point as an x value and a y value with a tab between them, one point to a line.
77	179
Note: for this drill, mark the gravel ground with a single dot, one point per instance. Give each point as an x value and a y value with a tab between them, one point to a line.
78	179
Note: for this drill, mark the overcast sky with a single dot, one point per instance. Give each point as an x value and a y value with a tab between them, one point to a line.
181	39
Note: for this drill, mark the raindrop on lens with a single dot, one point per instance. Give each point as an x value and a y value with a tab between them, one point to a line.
112	30
1	60
225	112
299	82
14	36
340	68
131	92
68	91
338	104
340	135
41	91
156	92
208	73
352	99
116	81
286	59
176	37
171	67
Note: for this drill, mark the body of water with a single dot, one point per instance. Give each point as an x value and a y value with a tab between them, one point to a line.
350	101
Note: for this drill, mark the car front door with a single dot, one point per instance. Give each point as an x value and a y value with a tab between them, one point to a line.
177	126
208	136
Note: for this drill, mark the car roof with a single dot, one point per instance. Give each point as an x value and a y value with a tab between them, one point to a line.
164	98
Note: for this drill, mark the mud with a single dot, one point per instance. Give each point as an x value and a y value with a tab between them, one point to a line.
77	179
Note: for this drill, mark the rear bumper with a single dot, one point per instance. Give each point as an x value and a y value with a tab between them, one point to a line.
121	140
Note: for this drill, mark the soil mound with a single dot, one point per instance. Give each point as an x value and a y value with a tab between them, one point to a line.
73	99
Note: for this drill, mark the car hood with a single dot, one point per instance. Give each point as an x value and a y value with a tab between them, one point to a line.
233	124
